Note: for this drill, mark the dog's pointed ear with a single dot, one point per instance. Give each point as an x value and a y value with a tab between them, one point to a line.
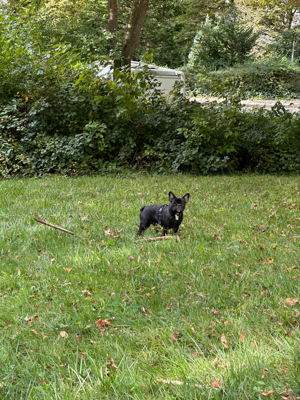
186	197
171	196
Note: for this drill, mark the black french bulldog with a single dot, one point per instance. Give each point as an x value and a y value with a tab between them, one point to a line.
168	215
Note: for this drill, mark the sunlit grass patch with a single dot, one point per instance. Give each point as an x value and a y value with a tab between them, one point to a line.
215	315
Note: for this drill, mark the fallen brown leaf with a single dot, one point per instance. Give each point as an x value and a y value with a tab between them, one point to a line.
267	394
112	364
145	312
63	334
216	384
102	324
78	338
292	302
107	231
86	293
224	341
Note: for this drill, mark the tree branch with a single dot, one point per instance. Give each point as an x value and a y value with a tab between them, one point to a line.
59	228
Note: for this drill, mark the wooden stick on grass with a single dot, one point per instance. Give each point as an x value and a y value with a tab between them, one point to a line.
158	238
168	237
58	227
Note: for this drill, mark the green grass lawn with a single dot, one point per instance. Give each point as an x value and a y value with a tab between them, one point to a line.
213	316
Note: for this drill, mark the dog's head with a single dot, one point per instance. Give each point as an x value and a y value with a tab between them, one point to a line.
177	204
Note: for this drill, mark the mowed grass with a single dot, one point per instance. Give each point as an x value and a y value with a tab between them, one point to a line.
212	316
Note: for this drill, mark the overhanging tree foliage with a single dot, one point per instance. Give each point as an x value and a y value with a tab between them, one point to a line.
279	13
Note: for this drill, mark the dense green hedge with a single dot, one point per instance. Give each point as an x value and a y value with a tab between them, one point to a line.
156	134
269	79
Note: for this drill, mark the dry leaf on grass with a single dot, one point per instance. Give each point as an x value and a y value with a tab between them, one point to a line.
292	302
102	324
34	332
241	337
112	365
174	337
267	394
87	293
224	341
145	312
216	384
114	235
63	334
68	269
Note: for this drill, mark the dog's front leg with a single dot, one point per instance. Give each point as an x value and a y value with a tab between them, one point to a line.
164	231
176	233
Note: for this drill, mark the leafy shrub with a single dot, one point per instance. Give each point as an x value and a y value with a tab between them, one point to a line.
223	137
269	79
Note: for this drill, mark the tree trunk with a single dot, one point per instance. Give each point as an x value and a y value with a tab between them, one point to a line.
113	20
134	27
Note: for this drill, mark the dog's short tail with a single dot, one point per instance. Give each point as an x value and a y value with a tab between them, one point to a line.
142	209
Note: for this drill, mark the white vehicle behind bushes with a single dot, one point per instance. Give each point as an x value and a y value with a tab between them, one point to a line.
167	77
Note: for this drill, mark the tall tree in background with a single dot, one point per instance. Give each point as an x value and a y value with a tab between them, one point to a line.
134	27
133	32
221	45
112	6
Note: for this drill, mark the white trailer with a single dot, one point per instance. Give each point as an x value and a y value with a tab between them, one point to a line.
167	77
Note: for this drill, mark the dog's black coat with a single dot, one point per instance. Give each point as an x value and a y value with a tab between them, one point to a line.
165	215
